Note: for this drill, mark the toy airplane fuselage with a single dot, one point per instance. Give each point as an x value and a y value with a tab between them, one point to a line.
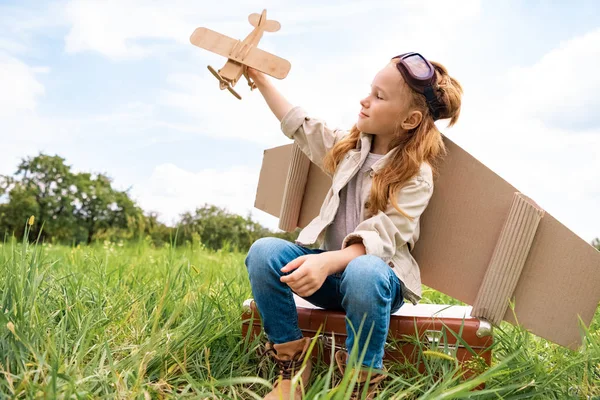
242	54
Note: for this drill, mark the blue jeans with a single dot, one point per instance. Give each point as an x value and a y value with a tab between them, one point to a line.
366	286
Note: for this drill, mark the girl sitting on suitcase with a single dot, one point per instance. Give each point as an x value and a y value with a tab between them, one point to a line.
382	179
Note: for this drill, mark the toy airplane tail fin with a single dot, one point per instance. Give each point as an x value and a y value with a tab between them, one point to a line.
269	25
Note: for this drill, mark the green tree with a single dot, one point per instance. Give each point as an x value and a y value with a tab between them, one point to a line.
73	207
158	232
83	207
49	181
103	212
218	228
92	198
21	205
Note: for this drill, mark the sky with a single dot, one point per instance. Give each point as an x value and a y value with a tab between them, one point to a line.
116	87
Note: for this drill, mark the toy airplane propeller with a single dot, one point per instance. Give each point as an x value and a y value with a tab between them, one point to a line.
242	54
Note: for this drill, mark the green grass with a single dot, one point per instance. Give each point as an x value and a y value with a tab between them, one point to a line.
133	321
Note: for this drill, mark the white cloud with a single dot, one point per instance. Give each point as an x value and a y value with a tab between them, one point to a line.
171	190
12	46
112	27
19	87
24	22
20	126
126	29
220	114
129	29
562	87
530	134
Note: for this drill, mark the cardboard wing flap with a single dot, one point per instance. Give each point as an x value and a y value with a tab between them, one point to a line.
293	192
271	181
277	174
470	230
508	260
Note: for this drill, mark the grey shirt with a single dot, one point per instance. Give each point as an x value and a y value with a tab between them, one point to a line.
347	217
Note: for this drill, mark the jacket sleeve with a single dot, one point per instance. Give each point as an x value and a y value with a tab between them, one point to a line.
312	135
383	233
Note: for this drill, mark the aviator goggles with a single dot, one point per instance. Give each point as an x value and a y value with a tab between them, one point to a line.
419	74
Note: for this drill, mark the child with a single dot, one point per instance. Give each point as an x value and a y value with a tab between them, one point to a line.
382	179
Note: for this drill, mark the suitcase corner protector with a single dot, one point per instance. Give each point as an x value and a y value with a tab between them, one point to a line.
485	329
246	307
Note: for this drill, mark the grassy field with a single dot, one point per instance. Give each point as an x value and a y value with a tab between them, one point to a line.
131	321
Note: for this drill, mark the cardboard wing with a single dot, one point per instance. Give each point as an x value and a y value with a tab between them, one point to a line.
481	242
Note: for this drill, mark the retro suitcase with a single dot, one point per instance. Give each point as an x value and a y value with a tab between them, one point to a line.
441	328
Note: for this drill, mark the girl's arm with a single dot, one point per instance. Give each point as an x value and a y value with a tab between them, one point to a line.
338	260
277	103
312	135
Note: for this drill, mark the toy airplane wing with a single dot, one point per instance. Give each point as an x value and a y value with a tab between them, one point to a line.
267	63
213	41
256	58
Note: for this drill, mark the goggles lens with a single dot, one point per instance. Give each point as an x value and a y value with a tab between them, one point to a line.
418	66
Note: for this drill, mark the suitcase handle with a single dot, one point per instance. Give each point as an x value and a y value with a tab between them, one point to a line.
434	338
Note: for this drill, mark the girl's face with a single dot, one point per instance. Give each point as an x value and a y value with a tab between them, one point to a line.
387	104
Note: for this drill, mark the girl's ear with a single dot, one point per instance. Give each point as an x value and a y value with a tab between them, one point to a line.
412	120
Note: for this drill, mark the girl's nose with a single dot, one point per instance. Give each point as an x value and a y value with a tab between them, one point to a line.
364	103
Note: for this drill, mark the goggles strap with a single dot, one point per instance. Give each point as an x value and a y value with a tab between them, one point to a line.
432	102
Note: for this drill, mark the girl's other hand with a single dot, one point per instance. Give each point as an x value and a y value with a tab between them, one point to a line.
309	275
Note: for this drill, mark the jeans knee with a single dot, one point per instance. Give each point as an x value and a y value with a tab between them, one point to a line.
365	278
366	268
262	251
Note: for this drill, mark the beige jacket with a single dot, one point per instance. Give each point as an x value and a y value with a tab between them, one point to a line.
388	235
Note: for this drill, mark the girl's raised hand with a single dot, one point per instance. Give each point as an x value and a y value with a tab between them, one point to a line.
255	75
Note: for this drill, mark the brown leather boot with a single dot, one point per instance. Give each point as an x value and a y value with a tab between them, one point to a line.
374	381
289	357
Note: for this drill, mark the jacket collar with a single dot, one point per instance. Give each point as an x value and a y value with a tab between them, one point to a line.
364	146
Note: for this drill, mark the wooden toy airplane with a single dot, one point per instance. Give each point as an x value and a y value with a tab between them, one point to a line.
242	54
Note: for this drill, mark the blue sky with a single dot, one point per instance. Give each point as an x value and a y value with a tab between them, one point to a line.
116	87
